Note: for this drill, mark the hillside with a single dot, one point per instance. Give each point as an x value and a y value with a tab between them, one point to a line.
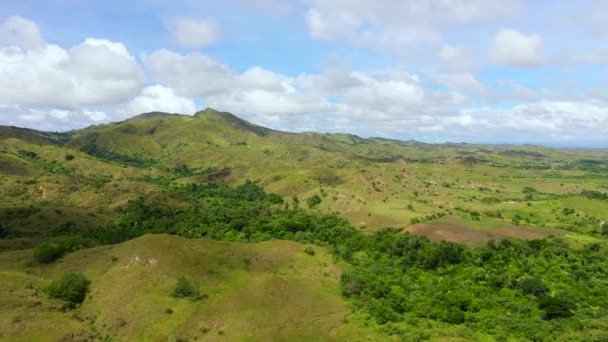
297	236
247	287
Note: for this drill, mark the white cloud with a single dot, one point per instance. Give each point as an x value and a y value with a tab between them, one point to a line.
192	32
456	58
570	120
158	98
95	72
403	27
256	90
595	56
53	119
513	48
277	7
461	81
194	75
18	31
272	97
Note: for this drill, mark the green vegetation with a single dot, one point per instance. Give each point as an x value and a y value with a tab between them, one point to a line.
72	288
184	288
506	289
313	201
48	252
505	243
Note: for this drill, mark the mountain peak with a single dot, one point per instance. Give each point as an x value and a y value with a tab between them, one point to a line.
231	120
154	116
216	115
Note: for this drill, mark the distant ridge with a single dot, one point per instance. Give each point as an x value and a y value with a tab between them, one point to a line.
155	116
233	121
33	136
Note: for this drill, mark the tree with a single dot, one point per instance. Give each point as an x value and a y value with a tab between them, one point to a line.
313	201
184	288
533	286
45	253
556	307
71	288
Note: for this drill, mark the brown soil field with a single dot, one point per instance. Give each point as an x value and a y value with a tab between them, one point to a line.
437	232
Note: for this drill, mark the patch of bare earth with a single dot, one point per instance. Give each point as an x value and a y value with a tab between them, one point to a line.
438	232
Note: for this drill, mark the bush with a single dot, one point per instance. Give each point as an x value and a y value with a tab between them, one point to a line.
71	288
556	307
184	288
533	286
309	250
3	232
313	201
69	157
45	253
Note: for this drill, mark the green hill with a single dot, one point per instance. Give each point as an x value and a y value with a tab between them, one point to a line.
265	291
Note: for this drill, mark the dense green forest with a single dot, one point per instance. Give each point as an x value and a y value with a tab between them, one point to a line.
536	289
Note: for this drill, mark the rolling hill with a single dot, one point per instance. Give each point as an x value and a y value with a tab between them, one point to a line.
324	235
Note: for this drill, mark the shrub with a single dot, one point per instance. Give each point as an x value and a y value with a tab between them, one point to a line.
71	288
45	253
69	157
313	201
533	286
454	316
3	232
309	250
184	288
556	307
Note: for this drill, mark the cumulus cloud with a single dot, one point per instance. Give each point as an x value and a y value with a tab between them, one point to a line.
403	26
193	32
270	96
456	58
52	119
19	31
193	75
561	121
461	81
34	73
158	98
513	48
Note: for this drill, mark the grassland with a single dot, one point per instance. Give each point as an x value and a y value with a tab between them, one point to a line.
266	291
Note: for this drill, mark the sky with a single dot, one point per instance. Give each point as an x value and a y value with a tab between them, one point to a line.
478	71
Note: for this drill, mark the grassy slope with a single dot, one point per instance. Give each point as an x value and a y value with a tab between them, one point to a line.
270	290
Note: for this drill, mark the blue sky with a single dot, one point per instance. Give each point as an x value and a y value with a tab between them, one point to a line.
497	71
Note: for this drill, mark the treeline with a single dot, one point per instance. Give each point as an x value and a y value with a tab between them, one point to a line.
539	290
